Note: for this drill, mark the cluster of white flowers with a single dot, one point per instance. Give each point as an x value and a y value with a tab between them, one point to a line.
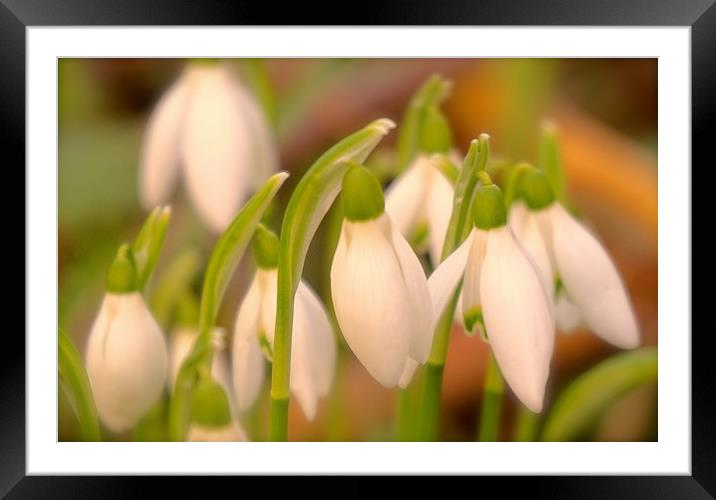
387	309
385	304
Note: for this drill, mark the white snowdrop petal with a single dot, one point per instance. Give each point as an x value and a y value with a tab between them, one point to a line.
517	216
246	356
159	162
406	377
323	341
405	197
248	319
445	278
517	317
471	281
533	243
592	281
371	302
248	371
265	151
268	278
439	209
303	381
421	334
126	360
216	147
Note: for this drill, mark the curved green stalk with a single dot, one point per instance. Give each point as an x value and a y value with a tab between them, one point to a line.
433	91
588	397
458	228
491	401
76	385
223	261
148	244
308	205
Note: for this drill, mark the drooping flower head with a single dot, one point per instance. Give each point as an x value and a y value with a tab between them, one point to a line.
419	200
378	285
589	288
126	354
212	128
313	347
502	296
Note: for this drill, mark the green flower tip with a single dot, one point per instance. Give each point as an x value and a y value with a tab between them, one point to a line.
362	195
435	134
535	189
473	320
265	245
489	207
209	405
122	273
477	153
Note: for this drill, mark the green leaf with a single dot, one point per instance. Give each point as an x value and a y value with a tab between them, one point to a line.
223	261
590	395
310	202
432	93
76	385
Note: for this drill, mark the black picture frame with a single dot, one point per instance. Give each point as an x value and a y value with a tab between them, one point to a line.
700	15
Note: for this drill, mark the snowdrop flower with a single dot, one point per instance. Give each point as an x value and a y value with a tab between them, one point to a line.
501	294
211	415
208	124
181	341
421	197
590	289
313	345
126	354
379	289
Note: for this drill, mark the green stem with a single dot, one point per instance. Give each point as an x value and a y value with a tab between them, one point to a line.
278	430
492	401
430	403
526	426
430	411
310	202
402	421
458	229
76	386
